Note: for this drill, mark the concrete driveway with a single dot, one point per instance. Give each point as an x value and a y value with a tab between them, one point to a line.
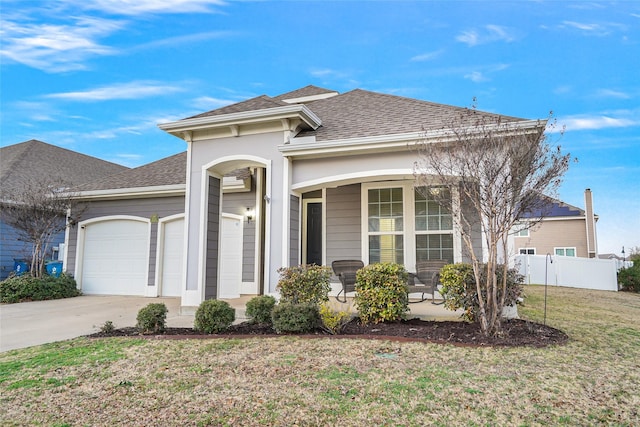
32	323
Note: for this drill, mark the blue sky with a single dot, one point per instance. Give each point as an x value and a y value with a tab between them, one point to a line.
97	76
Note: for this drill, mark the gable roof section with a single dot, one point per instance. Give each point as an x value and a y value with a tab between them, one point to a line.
330	116
169	171
37	161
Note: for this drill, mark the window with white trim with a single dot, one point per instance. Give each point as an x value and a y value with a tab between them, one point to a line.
527	251
434	224
405	225
565	251
386	225
520	229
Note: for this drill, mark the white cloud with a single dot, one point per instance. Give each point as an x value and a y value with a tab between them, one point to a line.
131	90
609	93
186	39
56	47
209	103
592	28
63	35
144	7
481	75
617	119
476	76
428	56
490	33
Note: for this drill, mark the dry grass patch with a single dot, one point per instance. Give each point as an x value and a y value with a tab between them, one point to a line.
290	381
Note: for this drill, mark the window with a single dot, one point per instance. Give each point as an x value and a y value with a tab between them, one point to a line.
386	225
565	251
434	224
527	251
521	230
404	225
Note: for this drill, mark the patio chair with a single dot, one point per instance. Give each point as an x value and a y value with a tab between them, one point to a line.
428	272
346	271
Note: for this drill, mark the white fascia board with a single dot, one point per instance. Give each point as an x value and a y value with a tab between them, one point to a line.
307	147
254	116
303	99
126	193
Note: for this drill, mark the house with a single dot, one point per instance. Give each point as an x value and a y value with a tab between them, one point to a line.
39	162
309	176
564	230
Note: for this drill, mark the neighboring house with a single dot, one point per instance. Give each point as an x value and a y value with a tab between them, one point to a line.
310	176
39	162
621	262
565	230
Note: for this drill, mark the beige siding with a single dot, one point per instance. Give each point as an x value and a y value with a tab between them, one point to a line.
551	234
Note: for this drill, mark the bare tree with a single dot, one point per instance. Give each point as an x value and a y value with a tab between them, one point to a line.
501	168
38	212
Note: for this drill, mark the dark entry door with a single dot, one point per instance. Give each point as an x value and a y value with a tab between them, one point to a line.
314	233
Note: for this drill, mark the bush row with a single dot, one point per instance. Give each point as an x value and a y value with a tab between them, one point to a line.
28	288
381	296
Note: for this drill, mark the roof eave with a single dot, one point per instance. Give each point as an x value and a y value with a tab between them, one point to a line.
134	192
244	117
308	147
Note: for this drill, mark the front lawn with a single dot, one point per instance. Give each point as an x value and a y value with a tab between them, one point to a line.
594	379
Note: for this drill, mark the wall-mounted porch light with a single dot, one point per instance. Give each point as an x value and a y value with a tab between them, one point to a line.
250	214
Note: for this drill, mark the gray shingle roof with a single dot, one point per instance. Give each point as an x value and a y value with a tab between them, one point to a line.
171	170
37	161
361	113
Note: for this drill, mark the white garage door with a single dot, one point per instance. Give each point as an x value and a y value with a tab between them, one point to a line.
172	250
115	257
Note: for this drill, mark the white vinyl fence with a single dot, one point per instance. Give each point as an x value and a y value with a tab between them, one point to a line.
586	273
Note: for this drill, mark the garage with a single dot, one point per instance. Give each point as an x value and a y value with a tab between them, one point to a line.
115	256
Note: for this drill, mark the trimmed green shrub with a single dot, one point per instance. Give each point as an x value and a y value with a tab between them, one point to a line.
629	278
151	319
459	288
295	318
259	308
381	293
27	288
108	327
333	321
214	316
304	283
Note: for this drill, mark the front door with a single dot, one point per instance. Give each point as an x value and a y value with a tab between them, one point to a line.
313	232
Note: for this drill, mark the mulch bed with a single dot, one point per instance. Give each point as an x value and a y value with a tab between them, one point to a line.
516	332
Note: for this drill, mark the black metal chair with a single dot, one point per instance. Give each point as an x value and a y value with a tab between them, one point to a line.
428	273
346	272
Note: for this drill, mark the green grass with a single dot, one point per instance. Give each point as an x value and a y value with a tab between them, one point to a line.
592	380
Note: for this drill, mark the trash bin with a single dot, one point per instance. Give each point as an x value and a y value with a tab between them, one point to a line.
54	268
20	266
